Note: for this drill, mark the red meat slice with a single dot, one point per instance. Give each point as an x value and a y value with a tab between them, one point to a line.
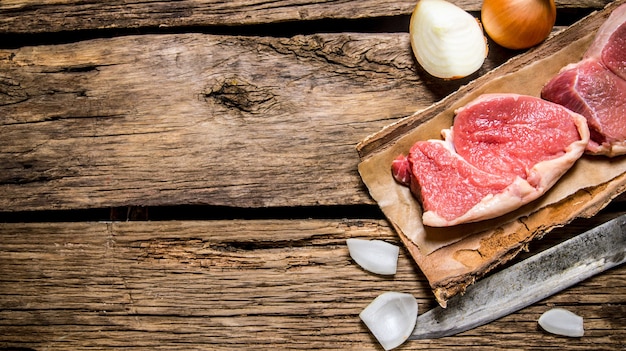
614	54
503	151
444	182
598	94
596	87
507	134
609	44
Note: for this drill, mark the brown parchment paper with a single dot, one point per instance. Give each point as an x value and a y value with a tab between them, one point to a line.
453	257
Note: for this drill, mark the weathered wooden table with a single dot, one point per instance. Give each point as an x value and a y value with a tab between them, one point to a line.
183	176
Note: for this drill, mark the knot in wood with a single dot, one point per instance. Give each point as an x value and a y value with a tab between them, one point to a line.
235	93
11	91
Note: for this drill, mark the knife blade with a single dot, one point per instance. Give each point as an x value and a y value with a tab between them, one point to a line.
528	281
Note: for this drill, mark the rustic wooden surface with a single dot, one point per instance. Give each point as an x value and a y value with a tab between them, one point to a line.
26	16
239	284
120	122
195	118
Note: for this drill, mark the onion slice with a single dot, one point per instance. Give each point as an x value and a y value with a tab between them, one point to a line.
562	322
375	256
447	41
391	317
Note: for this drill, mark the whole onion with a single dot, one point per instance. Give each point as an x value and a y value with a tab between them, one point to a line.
518	24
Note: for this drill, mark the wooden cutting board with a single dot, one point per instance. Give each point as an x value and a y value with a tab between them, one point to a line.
453	258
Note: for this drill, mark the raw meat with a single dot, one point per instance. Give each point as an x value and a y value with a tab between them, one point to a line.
598	94
614	55
596	87
609	44
503	151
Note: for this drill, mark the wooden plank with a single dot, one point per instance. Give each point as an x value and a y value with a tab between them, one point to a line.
201	119
241	284
29	16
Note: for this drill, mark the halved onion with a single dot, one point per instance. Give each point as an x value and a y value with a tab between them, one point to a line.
562	322
376	256
447	41
391	318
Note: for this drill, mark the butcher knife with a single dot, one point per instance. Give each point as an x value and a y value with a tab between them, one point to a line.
528	281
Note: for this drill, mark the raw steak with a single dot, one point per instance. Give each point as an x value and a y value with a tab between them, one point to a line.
596	87
598	94
609	44
503	151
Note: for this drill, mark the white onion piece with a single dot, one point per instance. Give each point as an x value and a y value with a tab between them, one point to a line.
562	322
375	256
391	318
447	41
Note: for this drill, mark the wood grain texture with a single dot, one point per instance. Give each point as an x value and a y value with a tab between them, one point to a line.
242	121
221	285
201	119
28	16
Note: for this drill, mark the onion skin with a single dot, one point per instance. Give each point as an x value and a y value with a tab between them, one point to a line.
560	321
518	24
375	256
391	317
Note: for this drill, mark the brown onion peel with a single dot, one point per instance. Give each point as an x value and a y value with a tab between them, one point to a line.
518	24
